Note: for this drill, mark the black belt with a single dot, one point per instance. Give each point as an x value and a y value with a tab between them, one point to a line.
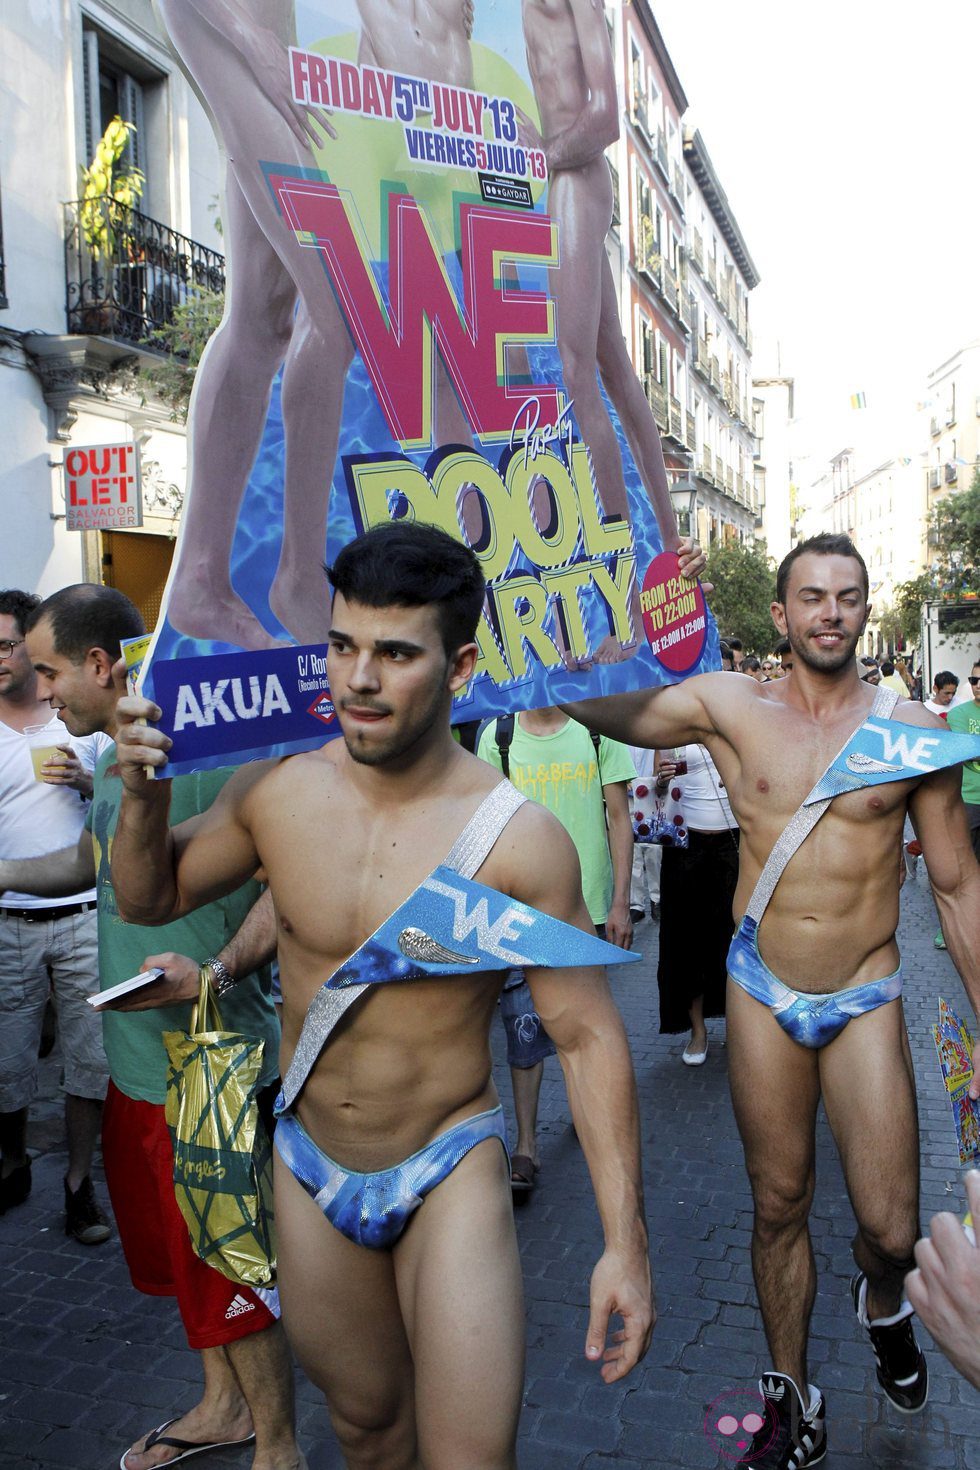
44	916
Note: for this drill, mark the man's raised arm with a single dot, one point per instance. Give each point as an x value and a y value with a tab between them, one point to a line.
159	874
672	714
580	1015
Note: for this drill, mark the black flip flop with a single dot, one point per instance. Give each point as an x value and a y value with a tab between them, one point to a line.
187	1447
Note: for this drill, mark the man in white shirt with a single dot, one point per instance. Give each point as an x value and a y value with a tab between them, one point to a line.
45	945
944	687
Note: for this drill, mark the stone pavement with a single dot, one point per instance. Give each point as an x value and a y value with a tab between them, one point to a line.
86	1364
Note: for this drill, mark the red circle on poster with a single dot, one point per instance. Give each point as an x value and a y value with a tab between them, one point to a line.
675	617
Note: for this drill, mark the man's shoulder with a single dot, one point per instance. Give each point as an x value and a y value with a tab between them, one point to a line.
964	716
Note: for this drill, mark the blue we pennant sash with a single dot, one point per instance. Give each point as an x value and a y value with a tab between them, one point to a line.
452	925
887	750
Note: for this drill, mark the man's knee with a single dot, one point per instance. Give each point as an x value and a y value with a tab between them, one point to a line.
780	1204
890	1241
376	1440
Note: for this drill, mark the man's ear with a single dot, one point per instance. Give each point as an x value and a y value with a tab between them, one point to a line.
778	614
101	663
461	666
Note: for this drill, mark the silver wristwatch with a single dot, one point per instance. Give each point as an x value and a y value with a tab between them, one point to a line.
222	980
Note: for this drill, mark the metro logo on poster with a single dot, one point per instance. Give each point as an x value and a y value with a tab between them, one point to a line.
322	708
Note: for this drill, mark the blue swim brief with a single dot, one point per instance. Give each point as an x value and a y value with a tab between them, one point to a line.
811	1020
373	1209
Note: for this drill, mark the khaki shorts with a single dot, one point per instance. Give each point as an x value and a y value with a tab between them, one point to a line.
59	956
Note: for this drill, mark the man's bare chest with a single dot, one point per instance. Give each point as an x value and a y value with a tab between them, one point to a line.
782	756
337	876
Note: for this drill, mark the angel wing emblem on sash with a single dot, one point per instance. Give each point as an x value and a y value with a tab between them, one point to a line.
418	945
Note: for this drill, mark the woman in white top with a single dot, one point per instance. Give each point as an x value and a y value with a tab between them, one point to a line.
697	890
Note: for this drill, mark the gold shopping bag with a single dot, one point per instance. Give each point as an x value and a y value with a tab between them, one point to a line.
222	1154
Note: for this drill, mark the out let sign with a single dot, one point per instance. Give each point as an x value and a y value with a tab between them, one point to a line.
102	487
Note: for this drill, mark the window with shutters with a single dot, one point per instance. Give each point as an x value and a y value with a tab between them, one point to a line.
120	83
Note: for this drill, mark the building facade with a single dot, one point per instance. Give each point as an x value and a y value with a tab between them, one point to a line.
684	275
83	290
953	396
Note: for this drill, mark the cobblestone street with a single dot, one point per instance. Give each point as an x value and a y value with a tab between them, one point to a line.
86	1364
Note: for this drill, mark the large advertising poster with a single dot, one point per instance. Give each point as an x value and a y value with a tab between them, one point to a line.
421	322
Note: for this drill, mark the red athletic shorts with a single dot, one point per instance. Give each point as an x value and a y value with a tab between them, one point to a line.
139	1168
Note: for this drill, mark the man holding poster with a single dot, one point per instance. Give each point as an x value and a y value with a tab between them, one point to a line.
399	1271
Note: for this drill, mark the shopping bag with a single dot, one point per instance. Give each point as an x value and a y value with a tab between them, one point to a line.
657	819
222	1155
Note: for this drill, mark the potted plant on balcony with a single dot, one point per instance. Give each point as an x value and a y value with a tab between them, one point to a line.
107	193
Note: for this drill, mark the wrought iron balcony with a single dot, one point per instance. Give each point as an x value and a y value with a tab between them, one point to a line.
697	250
676	420
950	473
691	432
124	278
934	478
707	468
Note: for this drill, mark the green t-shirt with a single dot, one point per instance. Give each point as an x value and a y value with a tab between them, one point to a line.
560	771
136	1054
964	718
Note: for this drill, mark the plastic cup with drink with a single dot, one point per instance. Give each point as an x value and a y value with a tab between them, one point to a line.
43	747
679	757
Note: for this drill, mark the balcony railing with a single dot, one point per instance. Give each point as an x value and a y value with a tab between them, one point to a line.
950	473
935	427
934	479
710	275
715	371
128	287
719	469
701	360
691	431
706	464
657	399
697	250
677	420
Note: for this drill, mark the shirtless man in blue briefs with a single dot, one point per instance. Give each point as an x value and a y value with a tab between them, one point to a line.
404	1304
820	915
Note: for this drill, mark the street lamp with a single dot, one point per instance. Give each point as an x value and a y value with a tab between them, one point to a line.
684	497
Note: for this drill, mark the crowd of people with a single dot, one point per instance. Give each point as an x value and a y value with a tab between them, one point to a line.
687	807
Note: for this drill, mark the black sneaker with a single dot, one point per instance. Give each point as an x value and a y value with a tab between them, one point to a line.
15	1186
83	1218
902	1370
792	1436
